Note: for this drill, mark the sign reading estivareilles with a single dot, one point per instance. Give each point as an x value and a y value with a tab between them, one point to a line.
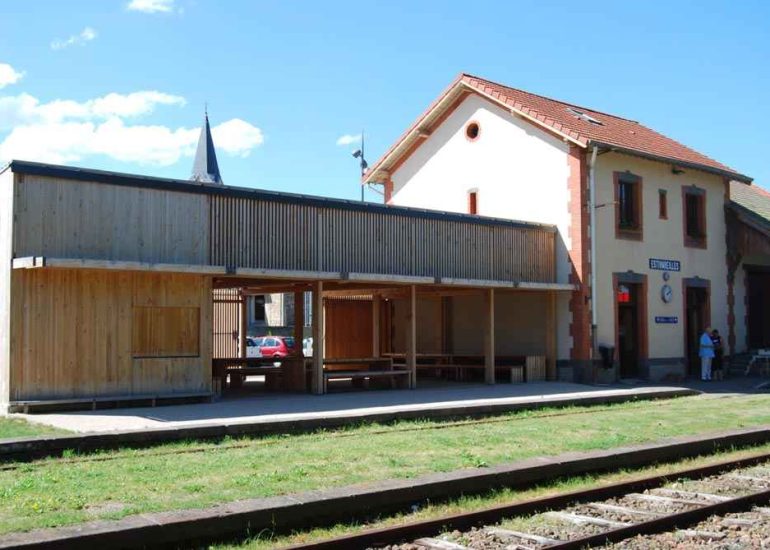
665	265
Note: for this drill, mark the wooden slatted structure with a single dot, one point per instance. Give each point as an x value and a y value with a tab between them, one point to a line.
106	279
226	321
380	240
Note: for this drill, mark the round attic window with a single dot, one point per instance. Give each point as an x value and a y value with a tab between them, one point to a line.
472	131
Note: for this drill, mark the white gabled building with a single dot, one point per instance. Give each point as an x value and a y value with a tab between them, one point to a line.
640	217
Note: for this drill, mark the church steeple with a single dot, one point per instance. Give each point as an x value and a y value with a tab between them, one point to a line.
205	167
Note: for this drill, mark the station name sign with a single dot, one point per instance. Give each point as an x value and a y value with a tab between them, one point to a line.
665	265
667	320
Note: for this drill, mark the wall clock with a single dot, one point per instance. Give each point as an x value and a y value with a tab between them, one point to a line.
666	293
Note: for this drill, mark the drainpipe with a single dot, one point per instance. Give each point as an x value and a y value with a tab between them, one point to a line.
592	215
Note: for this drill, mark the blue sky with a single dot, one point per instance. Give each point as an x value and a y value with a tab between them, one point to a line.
286	79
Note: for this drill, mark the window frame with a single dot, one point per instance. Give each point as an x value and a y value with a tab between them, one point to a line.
473	202
635	233
700	194
663	204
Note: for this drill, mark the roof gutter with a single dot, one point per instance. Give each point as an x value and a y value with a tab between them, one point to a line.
694	165
592	214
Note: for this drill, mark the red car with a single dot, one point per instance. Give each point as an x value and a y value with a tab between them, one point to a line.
275	346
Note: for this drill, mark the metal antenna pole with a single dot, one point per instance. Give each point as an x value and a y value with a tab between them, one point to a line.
362	166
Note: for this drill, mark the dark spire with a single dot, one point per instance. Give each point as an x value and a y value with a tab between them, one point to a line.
205	167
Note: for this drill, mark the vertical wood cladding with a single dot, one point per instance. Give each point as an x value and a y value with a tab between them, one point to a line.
73	333
72	219
257	233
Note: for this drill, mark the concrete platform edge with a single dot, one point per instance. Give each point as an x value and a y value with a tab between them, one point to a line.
316	508
43	446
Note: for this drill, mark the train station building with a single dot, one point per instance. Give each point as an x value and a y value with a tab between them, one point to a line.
519	236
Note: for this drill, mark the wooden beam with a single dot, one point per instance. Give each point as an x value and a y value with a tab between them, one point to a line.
563	287
476	283
287	274
489	336
243	323
318	338
376	314
385	278
39	262
550	338
411	337
295	370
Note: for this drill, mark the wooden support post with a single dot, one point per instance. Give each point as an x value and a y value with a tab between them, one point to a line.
318	338
242	325
411	337
550	337
489	336
376	316
295	374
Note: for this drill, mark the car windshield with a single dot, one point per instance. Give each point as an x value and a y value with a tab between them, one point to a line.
289	342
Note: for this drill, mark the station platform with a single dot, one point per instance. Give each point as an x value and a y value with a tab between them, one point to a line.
382	405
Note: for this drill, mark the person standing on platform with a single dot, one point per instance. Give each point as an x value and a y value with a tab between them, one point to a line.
717	371
706	354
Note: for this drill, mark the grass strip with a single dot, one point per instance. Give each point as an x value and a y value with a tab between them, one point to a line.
114	484
11	428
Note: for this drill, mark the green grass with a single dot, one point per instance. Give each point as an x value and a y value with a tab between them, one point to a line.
17	427
268	540
114	484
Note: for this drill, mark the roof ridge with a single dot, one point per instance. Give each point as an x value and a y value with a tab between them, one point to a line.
568	103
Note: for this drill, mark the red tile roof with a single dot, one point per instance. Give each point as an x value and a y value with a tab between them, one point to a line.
558	116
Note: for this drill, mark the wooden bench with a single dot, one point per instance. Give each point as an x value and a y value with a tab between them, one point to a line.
238	375
93	403
374	368
514	373
395	376
238	368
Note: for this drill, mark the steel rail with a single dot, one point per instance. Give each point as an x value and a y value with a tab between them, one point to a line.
667	522
465	521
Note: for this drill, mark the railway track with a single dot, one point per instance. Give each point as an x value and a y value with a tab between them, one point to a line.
698	507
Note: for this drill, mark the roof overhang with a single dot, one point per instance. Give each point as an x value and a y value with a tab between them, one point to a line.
669	160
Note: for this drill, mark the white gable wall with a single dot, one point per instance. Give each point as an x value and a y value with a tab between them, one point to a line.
519	171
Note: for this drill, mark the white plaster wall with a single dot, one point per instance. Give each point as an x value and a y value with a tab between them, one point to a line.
519	171
662	239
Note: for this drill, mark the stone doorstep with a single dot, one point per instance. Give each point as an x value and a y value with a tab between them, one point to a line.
41	446
323	507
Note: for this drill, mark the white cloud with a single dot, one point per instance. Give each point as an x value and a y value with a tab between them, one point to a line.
237	137
26	109
9	75
348	139
62	131
86	35
151	6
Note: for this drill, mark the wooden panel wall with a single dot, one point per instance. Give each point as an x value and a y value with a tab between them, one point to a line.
348	328
72	334
166	332
226	303
257	233
72	219
6	223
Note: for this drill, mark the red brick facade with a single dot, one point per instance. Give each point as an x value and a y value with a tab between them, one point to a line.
579	253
